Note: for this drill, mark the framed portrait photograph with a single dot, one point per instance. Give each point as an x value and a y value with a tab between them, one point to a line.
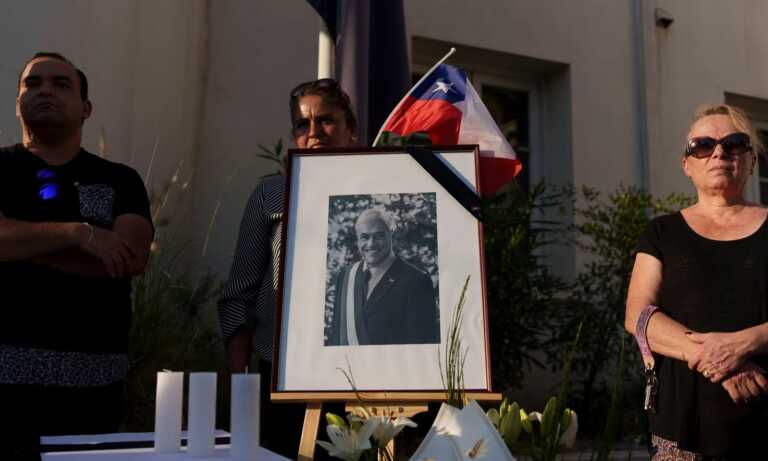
375	255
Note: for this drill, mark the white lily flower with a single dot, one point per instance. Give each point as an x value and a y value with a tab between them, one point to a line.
569	436
493	417
535	416
358	414
348	444
388	428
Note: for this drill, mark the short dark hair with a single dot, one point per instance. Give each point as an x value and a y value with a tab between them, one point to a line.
60	57
330	91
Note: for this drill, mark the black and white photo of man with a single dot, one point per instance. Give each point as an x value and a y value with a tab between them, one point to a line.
380	298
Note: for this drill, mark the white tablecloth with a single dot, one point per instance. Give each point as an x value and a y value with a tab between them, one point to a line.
221	452
148	454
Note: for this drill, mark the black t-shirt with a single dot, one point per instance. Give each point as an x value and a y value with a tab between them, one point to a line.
46	308
708	286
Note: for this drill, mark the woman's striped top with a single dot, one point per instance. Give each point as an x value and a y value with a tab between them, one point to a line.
248	301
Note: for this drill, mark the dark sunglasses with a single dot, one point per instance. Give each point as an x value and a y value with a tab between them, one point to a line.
49	189
314	84
733	144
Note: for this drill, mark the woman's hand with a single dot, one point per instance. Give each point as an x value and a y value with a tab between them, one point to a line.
720	354
747	384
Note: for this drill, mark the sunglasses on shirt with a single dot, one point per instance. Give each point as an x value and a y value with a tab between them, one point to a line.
733	144
49	189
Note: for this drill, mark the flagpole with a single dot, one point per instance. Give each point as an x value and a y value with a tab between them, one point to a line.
325	52
442	60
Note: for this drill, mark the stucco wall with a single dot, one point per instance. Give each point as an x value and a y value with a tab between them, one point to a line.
191	83
592	37
144	62
258	52
709	50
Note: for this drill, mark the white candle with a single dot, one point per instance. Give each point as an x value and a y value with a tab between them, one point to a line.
244	427
202	414
168	402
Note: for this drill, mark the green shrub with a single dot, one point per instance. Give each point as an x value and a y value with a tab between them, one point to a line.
173	326
606	228
520	287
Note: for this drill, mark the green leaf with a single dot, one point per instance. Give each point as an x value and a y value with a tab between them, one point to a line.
388	138
565	420
525	422
419	138
279	146
334	419
608	437
504	408
549	418
511	425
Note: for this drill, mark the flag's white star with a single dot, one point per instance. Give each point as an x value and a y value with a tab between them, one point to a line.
445	87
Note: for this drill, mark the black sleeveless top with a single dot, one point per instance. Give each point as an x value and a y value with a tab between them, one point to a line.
708	286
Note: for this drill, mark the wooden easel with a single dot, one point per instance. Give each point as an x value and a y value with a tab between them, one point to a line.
400	403
309	431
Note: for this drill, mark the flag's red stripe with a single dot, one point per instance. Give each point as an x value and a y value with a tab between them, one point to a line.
495	172
440	118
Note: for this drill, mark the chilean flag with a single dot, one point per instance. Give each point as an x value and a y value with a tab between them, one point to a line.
445	105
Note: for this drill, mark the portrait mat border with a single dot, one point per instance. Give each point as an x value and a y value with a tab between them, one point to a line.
304	366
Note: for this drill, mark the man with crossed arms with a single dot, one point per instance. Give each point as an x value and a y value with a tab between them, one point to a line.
74	228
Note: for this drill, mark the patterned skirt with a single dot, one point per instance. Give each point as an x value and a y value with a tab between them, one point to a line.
667	450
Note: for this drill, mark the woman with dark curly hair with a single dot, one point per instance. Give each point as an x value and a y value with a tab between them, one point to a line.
321	116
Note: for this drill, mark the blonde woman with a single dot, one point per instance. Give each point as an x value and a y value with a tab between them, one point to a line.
706	268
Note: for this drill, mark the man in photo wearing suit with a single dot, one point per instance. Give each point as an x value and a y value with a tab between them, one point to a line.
382	299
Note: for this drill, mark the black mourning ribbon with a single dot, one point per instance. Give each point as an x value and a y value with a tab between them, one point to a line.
448	179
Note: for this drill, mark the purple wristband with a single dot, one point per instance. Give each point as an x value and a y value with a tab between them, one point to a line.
642	338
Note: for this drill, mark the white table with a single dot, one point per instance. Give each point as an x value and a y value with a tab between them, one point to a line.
221	452
147	454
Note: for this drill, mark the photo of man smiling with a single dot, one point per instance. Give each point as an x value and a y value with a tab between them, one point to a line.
380	298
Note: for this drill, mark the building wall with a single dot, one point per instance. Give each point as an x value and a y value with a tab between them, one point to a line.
708	51
188	85
258	52
593	38
144	61
587	130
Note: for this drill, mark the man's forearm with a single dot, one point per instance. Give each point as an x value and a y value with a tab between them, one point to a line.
73	262
23	240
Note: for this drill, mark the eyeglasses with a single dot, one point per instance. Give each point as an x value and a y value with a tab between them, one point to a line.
314	84
49	189
733	144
